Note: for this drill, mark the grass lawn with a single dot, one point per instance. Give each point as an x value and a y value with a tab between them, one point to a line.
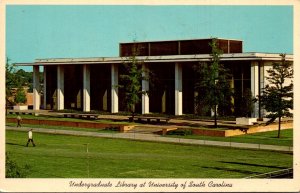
63	156
269	138
41	117
98	130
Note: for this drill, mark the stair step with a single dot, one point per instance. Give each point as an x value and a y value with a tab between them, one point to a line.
145	130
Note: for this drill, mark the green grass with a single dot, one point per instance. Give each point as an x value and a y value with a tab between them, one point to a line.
98	130
268	138
41	117
62	156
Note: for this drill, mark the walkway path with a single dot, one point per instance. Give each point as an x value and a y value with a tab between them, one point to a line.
153	137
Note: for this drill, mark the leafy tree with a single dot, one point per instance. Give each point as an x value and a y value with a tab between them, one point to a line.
11	81
277	97
132	80
20	96
25	78
17	79
213	84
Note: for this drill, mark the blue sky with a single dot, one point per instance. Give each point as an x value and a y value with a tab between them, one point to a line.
48	31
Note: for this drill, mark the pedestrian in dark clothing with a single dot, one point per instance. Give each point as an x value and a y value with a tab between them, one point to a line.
30	138
19	120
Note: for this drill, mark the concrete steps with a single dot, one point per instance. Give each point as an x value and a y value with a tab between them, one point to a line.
144	129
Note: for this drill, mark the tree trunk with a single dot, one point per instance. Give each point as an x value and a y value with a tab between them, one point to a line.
215	115
132	112
279	124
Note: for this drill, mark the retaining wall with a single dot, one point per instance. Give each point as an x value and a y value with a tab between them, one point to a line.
242	131
122	128
125	128
209	132
259	128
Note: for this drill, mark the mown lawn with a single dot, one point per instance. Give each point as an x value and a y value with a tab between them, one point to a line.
62	156
41	117
269	138
99	130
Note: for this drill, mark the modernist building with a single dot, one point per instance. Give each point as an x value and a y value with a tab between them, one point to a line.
89	83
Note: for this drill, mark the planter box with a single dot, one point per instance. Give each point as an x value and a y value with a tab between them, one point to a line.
245	121
125	128
21	107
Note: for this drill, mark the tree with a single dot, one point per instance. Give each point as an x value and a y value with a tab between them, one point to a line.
25	78
11	81
277	96
20	96
213	84
132	80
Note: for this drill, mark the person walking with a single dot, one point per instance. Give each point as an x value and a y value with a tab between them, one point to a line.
19	120
30	138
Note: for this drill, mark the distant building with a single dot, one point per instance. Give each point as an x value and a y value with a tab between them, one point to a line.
89	83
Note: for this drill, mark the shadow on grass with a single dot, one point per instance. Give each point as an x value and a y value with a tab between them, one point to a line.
16	144
232	170
256	165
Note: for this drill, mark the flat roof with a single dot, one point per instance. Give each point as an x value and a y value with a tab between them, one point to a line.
178	40
159	59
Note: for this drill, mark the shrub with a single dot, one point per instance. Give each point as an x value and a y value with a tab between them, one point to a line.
13	170
112	128
182	132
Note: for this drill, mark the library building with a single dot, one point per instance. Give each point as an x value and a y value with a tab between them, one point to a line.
88	84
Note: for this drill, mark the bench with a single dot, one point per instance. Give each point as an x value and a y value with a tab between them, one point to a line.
88	116
81	116
69	115
21	113
149	119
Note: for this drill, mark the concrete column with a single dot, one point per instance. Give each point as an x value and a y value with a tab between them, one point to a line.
145	88
60	87
104	101
45	87
114	89
86	88
164	102
255	86
36	88
78	99
178	89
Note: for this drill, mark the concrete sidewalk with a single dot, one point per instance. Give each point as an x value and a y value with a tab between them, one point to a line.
155	138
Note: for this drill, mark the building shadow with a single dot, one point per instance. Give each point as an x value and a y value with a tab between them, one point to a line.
256	165
247	172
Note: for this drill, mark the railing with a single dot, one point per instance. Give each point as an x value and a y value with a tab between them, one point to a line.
285	173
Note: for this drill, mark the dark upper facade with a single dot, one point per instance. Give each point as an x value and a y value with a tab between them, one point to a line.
179	47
